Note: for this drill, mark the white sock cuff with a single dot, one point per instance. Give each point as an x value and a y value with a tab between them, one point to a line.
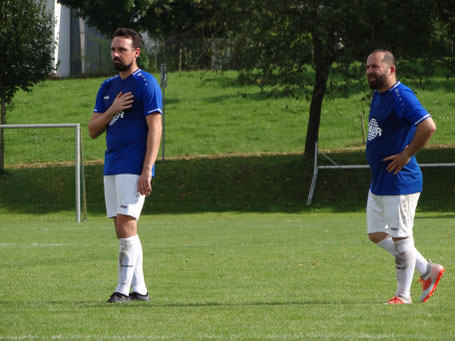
385	242
129	239
388	245
405	245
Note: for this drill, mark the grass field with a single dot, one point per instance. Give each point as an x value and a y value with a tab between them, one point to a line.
231	250
220	276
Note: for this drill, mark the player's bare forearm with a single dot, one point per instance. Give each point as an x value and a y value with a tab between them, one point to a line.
100	121
153	145
98	124
423	134
153	140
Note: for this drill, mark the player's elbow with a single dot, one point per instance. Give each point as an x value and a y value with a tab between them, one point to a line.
428	127
433	127
93	133
95	127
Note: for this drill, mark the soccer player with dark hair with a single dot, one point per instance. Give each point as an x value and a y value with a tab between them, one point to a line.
128	107
399	126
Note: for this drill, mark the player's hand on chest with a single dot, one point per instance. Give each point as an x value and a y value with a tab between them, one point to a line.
115	90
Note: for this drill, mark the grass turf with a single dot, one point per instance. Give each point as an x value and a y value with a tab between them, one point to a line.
231	275
231	250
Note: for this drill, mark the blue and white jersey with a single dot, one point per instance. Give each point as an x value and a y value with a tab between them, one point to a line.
126	135
393	120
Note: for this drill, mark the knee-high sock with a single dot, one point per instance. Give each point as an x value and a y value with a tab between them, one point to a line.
127	263
421	263
388	245
405	260
138	283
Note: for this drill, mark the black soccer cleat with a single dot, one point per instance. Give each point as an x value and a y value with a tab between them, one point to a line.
134	296
118	297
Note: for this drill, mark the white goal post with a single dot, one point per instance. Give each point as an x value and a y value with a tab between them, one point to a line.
79	169
334	165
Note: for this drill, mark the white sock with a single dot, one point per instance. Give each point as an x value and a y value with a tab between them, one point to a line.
388	245
421	263
405	260
138	283
127	263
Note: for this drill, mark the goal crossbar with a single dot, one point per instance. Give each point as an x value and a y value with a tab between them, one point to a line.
334	165
78	154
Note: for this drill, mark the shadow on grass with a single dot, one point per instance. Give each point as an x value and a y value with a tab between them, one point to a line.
102	304
272	183
37	190
246	304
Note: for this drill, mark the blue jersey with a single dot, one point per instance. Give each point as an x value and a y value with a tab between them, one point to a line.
126	135
394	116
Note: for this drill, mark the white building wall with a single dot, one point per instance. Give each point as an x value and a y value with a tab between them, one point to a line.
62	36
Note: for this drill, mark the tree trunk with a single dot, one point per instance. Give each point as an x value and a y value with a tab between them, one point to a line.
319	90
2	136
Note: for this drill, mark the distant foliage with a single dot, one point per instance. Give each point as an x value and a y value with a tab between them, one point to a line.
26	45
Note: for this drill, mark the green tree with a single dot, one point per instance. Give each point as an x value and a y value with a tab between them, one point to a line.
26	46
169	21
295	43
160	18
445	32
282	38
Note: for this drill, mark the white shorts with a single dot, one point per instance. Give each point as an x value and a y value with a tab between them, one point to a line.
392	214
121	195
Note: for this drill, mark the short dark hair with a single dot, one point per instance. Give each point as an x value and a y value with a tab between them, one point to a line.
388	58
131	34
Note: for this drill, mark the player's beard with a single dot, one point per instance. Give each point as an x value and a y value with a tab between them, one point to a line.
119	66
377	82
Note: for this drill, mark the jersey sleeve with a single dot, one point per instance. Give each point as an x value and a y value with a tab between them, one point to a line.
410	109
151	97
99	104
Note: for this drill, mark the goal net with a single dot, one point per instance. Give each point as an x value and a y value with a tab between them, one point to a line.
43	170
